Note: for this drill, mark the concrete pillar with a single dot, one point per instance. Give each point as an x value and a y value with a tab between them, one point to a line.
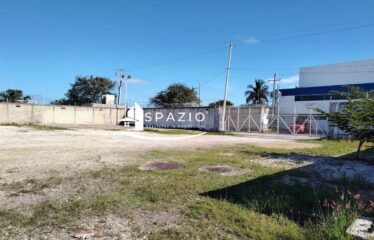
7	113
93	115
262	119
32	113
110	116
75	114
53	114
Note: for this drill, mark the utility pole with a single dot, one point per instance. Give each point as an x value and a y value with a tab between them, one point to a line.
273	96
121	76
230	46
126	78
199	93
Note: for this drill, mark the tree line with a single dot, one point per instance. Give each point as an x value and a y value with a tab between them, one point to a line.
90	89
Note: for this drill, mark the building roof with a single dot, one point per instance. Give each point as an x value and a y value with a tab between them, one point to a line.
323	89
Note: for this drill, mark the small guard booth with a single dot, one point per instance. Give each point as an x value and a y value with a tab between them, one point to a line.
134	117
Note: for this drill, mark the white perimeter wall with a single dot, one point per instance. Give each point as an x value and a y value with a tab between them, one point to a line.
47	114
338	74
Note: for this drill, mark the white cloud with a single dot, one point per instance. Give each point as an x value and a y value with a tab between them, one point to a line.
290	80
137	81
250	40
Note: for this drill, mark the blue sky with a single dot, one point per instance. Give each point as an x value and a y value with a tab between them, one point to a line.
45	44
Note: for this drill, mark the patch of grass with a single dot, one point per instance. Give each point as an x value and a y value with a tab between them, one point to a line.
31	186
35	126
223	133
332	226
45	127
242	222
334	148
171	131
210	206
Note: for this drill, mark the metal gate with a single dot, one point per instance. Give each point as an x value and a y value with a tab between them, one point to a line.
246	119
260	119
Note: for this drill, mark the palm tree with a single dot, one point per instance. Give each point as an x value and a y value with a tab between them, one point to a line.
11	95
257	94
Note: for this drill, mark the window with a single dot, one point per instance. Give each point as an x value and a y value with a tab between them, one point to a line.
324	97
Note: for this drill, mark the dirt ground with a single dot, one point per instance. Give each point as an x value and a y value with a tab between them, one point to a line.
27	153
62	157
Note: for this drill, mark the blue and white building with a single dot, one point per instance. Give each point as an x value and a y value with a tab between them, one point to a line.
317	84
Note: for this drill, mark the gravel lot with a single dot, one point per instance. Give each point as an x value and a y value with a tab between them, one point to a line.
26	153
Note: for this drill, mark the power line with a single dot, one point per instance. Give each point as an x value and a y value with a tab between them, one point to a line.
320	27
317	33
180	58
214	77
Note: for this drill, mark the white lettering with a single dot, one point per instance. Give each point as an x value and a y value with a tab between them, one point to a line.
170	116
148	118
202	117
189	117
181	114
159	116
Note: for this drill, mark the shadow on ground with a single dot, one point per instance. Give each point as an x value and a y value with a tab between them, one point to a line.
299	193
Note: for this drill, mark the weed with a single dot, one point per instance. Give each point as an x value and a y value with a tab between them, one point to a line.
254	206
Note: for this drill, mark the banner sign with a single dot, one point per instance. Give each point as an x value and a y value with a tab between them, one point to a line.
187	118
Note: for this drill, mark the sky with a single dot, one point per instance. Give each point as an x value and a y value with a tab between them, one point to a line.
45	44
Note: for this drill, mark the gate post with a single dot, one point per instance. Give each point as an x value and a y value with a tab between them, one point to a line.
310	123
238	122
278	118
294	120
249	119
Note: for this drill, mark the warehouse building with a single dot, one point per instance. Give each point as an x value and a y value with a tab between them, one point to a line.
317	85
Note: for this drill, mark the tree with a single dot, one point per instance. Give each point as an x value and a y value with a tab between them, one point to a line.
257	94
13	95
219	103
176	95
357	116
87	90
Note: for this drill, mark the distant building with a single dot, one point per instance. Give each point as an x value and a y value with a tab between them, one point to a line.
108	99
317	84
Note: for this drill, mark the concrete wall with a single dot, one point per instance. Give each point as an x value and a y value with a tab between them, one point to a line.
187	118
338	74
48	114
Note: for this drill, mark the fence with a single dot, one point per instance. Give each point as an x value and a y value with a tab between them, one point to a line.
246	119
260	119
295	124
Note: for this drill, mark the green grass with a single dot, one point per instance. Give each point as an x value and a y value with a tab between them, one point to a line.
32	186
224	133
35	126
209	206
